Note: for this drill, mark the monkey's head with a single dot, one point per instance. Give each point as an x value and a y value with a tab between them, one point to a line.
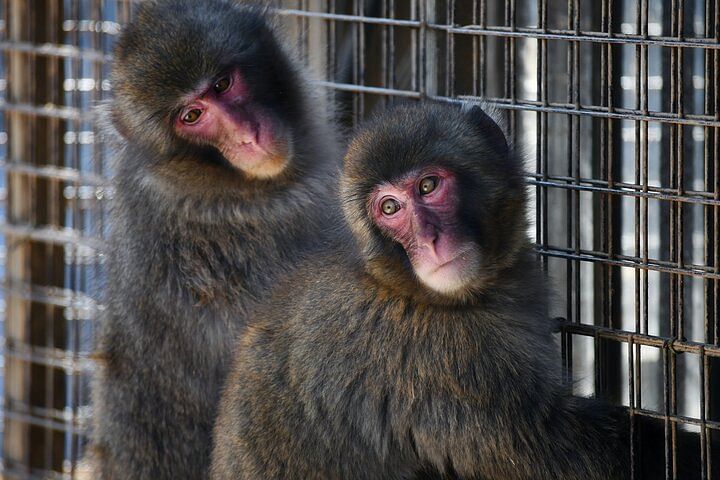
435	199
206	81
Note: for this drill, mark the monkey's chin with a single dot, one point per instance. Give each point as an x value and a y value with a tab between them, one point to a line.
257	163
444	280
450	277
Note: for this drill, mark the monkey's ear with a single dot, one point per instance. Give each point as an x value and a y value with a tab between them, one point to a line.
488	128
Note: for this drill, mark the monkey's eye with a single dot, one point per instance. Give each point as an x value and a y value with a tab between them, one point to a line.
222	85
428	185
192	116
390	207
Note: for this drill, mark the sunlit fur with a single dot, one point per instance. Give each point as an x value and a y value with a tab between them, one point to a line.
194	243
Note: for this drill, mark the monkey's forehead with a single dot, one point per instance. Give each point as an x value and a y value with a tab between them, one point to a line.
172	45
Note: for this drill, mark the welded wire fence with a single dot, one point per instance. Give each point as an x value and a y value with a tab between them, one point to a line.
615	104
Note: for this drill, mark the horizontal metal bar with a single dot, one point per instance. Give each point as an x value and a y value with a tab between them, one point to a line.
49	235
55	173
9	472
537	106
58	297
672	194
516	32
672	344
697	200
55	50
49	111
348	87
617	113
71	362
578	36
677	419
619	261
701	270
21	412
339	17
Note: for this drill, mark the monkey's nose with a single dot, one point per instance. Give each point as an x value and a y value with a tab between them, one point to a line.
425	232
426	237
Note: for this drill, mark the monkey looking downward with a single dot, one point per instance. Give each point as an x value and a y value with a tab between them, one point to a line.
224	165
421	341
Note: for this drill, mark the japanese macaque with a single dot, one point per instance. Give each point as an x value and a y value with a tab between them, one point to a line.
419	344
225	162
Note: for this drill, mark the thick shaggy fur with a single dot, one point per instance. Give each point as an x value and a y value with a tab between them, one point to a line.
194	244
353	369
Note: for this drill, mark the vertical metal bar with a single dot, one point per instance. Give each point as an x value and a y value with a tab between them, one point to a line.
511	71
482	47
676	225
542	146
428	44
332	39
33	201
475	52
450	50
635	389
16	434
573	306
711	386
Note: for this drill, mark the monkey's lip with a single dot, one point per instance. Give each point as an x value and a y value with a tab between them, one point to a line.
448	264
458	257
450	275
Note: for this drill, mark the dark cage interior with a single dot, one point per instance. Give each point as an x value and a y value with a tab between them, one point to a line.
615	104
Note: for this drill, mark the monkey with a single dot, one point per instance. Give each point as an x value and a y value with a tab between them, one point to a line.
224	160
418	343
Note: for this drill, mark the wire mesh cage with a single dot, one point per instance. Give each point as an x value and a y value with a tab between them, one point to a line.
614	103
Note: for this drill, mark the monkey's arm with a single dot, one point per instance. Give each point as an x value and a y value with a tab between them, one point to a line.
587	430
561	438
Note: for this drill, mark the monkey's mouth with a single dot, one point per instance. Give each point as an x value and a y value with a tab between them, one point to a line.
448	275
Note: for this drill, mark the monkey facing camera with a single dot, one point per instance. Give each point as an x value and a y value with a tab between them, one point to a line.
418	345
224	159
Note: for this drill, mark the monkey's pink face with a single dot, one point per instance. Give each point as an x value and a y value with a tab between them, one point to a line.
420	211
224	116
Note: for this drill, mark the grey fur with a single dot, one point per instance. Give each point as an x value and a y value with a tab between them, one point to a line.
194	244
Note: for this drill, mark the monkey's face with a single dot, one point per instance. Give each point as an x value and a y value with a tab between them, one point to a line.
208	91
222	114
435	201
420	212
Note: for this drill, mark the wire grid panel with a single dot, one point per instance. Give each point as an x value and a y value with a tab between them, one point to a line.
614	102
54	70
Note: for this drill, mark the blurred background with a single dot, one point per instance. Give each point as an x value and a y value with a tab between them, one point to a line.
614	103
